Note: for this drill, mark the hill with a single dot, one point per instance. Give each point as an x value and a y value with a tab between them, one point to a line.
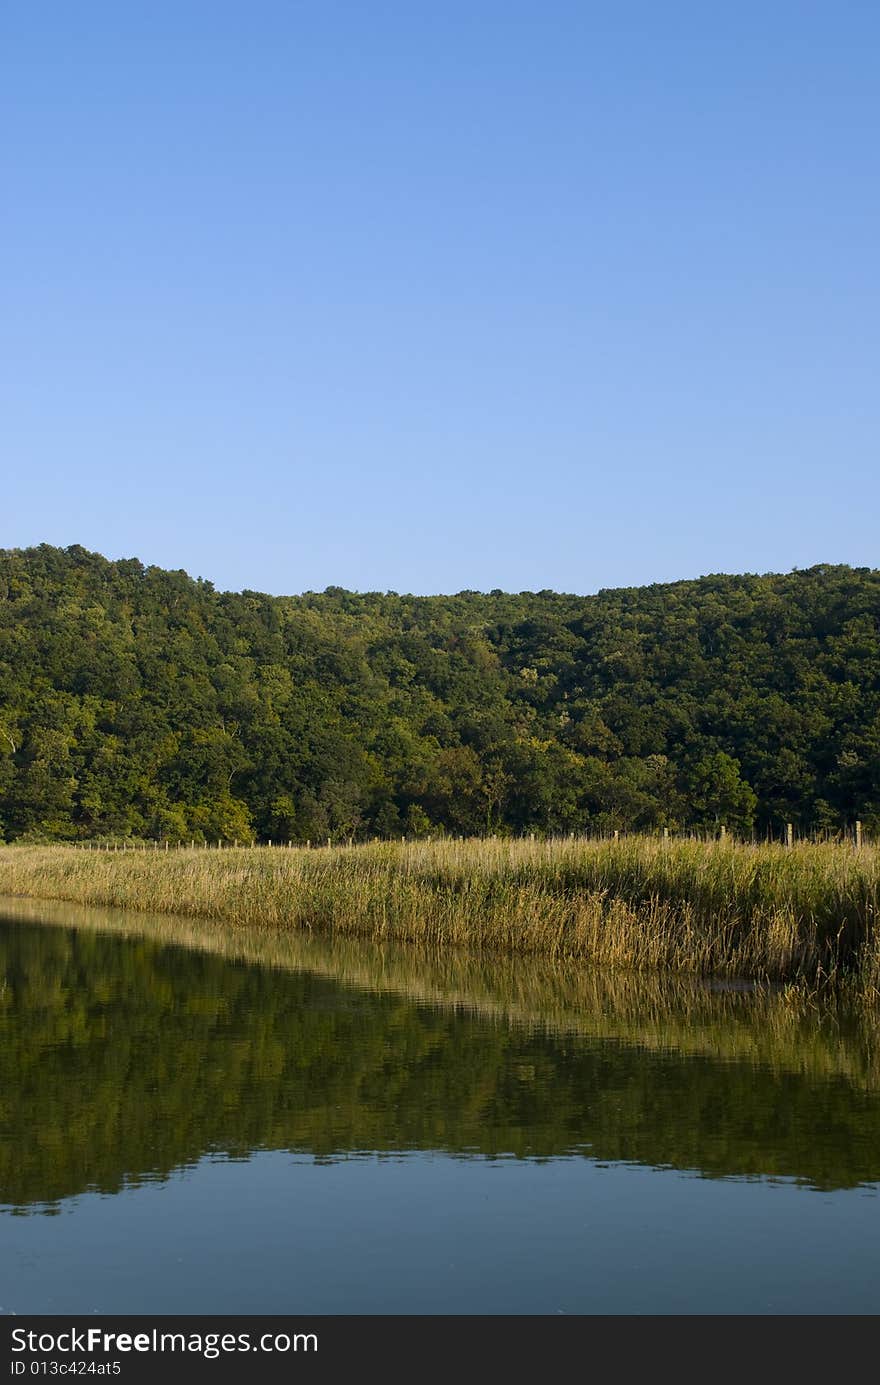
140	702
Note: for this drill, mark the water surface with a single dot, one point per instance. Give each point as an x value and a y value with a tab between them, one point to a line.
195	1118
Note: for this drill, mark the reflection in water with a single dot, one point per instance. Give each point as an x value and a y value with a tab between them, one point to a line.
134	1046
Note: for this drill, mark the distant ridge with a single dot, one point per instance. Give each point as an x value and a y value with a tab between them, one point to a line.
139	702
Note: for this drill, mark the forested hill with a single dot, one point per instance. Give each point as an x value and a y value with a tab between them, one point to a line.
138	702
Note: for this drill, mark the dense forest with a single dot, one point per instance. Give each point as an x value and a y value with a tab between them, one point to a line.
140	703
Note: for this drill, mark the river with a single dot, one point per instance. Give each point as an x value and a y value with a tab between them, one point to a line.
196	1118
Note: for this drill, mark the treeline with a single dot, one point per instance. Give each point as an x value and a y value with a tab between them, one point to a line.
136	702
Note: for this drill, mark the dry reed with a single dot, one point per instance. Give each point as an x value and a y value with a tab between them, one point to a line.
779	1028
804	914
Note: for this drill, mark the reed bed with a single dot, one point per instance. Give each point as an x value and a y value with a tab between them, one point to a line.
777	1028
804	914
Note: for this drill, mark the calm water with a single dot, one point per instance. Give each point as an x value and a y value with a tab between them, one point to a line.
198	1120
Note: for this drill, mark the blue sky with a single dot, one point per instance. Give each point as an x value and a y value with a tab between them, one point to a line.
423	297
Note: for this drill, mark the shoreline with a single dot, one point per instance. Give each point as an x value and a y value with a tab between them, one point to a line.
804	914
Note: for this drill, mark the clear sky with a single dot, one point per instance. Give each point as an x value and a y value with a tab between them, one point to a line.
392	294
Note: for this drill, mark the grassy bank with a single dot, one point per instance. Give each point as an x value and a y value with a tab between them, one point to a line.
804	913
778	1028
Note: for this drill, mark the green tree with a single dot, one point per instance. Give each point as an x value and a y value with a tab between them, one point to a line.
719	794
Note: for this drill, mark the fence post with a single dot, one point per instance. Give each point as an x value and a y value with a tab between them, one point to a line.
789	834
858	834
723	831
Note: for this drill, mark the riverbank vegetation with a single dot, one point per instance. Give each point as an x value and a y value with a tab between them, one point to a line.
804	914
780	1028
138	703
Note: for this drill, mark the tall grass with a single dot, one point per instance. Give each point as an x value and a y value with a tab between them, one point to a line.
778	1028
805	913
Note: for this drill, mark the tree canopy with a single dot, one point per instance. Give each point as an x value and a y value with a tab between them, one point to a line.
138	702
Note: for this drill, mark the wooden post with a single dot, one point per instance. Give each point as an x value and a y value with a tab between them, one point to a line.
328	843
616	834
166	843
789	834
308	842
666	834
723	831
858	834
